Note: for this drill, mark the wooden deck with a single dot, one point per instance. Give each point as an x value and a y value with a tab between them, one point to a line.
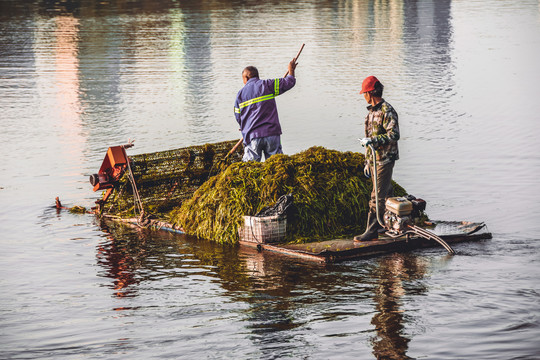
336	250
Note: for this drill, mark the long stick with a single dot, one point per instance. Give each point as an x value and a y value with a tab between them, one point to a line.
226	156
234	147
296	58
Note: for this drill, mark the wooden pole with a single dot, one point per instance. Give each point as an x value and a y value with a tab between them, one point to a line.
296	57
234	147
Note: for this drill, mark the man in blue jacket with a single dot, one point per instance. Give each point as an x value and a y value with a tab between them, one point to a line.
256	112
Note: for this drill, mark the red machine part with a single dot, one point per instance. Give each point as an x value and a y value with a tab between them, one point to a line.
111	170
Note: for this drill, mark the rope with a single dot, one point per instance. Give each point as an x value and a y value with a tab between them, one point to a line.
376	186
138	206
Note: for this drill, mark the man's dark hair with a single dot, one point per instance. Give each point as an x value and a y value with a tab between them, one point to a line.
251	72
378	89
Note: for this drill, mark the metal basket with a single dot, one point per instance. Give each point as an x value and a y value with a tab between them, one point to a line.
264	229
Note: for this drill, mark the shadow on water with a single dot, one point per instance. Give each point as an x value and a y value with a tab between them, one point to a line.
285	297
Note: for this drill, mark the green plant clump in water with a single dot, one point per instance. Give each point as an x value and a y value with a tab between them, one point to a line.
77	209
331	196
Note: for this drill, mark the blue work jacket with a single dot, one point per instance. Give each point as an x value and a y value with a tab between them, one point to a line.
255	107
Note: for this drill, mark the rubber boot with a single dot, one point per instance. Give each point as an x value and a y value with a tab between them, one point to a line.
372	229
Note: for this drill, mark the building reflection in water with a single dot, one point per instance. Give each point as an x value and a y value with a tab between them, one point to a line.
57	76
66	70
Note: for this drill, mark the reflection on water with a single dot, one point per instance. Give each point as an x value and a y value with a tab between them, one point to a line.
144	70
131	255
392	272
80	76
119	260
276	289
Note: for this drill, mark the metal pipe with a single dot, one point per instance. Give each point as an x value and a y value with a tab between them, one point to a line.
431	236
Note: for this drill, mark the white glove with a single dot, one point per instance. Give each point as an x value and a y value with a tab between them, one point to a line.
365	141
367	171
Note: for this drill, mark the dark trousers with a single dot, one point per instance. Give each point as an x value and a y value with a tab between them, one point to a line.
386	190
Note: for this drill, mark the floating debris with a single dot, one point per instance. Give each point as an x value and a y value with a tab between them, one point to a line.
74	210
77	209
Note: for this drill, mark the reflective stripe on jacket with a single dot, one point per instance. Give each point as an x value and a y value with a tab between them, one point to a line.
255	107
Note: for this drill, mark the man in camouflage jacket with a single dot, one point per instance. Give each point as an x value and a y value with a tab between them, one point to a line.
381	131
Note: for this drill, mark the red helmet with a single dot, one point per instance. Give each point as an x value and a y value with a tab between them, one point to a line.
368	84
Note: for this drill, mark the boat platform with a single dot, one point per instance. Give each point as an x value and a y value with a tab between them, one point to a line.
337	250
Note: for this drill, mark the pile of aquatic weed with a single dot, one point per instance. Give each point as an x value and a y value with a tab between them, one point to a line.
330	191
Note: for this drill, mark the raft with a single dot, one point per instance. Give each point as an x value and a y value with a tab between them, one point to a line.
207	192
337	250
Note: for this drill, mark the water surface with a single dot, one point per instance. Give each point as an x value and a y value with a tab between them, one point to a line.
80	76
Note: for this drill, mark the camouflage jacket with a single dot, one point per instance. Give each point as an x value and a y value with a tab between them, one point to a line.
383	129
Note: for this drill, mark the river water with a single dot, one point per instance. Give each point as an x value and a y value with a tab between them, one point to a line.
79	76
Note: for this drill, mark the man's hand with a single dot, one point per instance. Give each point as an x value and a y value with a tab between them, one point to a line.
292	66
366	141
367	171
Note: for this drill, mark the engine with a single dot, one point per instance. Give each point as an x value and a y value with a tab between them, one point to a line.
401	212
